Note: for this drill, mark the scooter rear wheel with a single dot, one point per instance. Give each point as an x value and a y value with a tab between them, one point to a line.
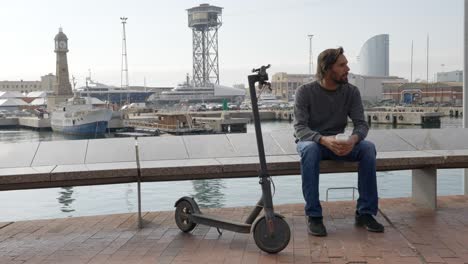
275	242
182	219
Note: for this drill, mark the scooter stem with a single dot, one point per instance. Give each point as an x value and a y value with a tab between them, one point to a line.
261	77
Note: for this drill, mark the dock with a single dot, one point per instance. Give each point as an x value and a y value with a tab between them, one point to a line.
412	235
403	118
29	122
237	119
37	123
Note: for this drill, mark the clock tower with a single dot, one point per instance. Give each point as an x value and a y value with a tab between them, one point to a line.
62	86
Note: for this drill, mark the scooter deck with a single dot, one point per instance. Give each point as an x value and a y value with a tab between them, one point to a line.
221	223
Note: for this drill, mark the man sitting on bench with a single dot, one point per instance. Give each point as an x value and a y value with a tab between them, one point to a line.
321	113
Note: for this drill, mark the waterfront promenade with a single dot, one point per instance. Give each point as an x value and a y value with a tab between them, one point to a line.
413	235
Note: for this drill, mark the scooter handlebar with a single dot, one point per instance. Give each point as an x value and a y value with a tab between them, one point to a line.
262	69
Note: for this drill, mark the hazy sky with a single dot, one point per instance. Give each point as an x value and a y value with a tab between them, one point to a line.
159	43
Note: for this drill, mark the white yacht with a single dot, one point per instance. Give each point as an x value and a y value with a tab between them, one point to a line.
186	92
112	94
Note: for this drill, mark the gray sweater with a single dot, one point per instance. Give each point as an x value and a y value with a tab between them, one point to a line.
321	112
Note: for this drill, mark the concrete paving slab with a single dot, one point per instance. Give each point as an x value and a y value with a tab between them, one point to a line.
60	152
435	139
110	150
246	144
388	141
17	154
162	148
285	139
209	146
447	138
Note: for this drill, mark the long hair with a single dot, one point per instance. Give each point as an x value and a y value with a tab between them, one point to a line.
325	61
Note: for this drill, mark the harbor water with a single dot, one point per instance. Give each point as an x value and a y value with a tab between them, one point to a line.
158	196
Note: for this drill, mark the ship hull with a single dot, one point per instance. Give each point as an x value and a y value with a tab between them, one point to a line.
99	127
87	122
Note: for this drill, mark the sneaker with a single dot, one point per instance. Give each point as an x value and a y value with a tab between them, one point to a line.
369	222
315	226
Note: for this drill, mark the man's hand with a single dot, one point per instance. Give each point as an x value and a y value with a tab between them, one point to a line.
340	148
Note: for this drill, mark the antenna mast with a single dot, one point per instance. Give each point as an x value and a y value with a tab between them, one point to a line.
411	77
124	66
311	63
427	60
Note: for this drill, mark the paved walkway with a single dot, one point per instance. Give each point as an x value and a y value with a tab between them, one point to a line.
413	235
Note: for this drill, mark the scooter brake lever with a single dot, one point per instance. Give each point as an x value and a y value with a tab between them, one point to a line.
267	85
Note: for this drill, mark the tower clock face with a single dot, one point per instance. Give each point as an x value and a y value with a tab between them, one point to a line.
62	44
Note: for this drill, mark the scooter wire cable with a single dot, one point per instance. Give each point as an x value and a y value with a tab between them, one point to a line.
273	184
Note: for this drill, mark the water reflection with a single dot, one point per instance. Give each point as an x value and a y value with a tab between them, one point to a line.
209	193
66	200
14	135
130	197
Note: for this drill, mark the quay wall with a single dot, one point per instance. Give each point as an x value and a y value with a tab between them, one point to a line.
404	115
34	122
447	111
4	122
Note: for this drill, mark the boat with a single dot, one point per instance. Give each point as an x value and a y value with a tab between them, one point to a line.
112	94
81	116
187	93
176	123
269	99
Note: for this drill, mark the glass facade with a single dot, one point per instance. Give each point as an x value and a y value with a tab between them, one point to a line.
374	56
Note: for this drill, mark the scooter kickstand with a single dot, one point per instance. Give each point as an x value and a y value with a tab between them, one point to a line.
219	231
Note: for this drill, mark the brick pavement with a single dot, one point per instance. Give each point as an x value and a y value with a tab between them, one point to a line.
413	235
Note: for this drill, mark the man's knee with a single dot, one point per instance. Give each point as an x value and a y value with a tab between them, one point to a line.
367	148
308	148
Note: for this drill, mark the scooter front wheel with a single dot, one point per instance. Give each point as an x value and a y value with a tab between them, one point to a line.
275	242
182	219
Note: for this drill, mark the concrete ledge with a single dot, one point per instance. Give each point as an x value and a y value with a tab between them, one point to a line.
24	175
109	161
189	169
174	170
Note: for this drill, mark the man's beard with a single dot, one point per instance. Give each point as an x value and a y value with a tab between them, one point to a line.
343	80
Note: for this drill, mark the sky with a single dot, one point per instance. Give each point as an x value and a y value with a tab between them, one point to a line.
254	33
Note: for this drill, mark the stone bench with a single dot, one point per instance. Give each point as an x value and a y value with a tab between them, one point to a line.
110	161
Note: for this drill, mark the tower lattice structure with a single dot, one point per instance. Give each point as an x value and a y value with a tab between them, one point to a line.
205	20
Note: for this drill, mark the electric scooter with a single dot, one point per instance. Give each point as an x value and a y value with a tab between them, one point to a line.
270	231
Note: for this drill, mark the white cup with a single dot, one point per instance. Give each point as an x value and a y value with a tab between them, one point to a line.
342	137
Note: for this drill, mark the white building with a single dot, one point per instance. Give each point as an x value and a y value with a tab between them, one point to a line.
37	94
452	76
45	84
371	87
373	58
12	104
284	85
7	95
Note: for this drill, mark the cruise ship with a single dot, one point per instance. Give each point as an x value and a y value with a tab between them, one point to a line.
112	94
186	92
